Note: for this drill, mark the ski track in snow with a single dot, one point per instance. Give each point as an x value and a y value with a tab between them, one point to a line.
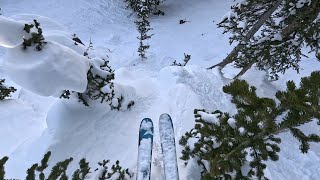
94	133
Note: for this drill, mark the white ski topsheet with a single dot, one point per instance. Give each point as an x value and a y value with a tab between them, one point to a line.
168	147
145	150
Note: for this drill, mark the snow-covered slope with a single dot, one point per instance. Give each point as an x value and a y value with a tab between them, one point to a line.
33	124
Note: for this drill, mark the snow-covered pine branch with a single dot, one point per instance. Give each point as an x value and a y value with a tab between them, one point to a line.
237	146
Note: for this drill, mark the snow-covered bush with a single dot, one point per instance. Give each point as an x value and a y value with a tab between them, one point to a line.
4	90
59	171
36	38
100	86
237	146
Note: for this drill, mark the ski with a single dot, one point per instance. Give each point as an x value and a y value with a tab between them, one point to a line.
168	147
145	149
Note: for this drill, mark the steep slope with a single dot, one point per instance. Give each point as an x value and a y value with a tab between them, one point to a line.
69	129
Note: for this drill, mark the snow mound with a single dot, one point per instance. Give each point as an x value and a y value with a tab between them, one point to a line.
11	32
47	72
49	26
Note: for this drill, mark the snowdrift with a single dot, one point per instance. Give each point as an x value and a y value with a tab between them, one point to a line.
47	72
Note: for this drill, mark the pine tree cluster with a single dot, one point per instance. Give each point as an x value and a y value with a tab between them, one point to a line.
59	171
36	38
237	146
4	90
285	27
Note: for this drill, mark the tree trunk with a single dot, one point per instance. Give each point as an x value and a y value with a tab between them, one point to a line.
244	70
230	58
291	28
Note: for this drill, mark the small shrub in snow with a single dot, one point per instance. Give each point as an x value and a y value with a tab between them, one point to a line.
59	171
186	59
4	90
238	146
36	38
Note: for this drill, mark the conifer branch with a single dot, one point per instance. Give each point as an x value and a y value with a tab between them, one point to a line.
230	58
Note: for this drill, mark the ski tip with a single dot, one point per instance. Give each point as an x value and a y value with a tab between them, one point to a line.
146	120
146	123
165	116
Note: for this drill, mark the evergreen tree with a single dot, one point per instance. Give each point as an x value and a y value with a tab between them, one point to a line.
286	26
4	90
143	26
238	146
143	9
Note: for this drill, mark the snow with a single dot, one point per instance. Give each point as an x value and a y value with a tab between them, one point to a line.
277	37
232	123
242	130
210	118
191	143
11	32
269	148
229	16
301	3
48	72
37	124
96	63
215	143
245	168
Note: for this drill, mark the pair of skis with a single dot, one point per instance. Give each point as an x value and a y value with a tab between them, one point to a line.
168	147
